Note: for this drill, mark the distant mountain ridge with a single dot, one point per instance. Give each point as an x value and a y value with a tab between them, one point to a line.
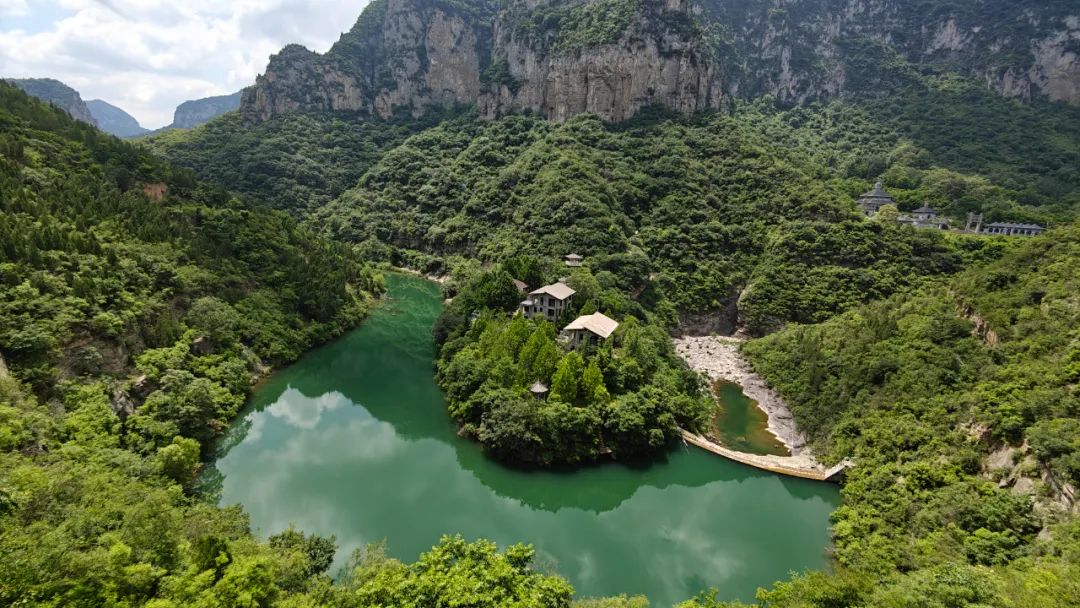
561	58
58	94
112	119
116	121
196	112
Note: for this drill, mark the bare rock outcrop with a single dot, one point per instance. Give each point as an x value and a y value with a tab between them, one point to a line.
561	58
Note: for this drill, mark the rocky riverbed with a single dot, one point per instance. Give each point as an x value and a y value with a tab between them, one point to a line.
719	358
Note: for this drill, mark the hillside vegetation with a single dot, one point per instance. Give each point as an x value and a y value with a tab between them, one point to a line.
297	164
623	398
920	395
136	306
742	219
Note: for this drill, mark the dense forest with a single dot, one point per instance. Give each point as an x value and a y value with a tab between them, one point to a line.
623	398
747	216
136	307
959	403
298	163
143	288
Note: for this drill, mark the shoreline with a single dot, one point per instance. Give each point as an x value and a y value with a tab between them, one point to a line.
719	359
440	279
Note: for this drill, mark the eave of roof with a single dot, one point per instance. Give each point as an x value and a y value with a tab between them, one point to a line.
559	291
596	323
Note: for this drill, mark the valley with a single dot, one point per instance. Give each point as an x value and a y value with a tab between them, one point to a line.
825	239
353	441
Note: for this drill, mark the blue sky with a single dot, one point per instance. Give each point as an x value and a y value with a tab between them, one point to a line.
148	56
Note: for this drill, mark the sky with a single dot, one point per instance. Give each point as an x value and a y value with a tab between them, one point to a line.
148	56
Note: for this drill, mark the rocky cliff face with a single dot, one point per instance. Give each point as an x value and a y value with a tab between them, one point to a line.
402	56
58	94
810	49
609	58
193	113
612	57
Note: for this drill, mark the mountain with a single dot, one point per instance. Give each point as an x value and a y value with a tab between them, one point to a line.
116	121
112	119
58	94
196	112
193	113
705	157
560	58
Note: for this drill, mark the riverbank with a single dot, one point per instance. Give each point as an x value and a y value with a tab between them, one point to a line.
441	279
719	359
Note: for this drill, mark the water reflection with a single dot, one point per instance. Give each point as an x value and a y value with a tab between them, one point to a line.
354	441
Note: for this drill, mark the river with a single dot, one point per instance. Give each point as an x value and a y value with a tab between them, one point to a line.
354	441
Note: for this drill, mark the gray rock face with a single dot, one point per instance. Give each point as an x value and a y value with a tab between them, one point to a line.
112	119
613	57
58	94
647	63
803	50
193	113
399	57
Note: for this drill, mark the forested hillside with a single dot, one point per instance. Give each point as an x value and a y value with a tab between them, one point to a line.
959	403
743	219
297	164
136	306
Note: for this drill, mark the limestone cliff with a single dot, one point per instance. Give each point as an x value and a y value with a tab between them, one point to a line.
191	114
403	55
607	57
811	49
612	57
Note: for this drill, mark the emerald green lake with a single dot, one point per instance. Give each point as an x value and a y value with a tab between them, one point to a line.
354	441
741	425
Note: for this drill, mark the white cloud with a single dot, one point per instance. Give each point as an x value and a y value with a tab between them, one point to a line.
148	56
12	8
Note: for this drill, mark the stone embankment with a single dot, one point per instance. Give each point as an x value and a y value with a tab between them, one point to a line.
720	359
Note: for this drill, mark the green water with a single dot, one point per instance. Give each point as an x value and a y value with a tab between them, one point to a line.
354	441
741	425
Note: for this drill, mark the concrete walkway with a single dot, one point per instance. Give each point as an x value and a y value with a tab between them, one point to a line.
793	466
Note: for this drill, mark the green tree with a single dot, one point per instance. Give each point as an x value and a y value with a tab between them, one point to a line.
455	572
592	384
566	383
180	461
317	550
216	320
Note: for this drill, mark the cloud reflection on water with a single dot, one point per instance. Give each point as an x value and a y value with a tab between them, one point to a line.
332	469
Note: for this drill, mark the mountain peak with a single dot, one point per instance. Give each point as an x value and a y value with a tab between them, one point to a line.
195	112
112	119
58	94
